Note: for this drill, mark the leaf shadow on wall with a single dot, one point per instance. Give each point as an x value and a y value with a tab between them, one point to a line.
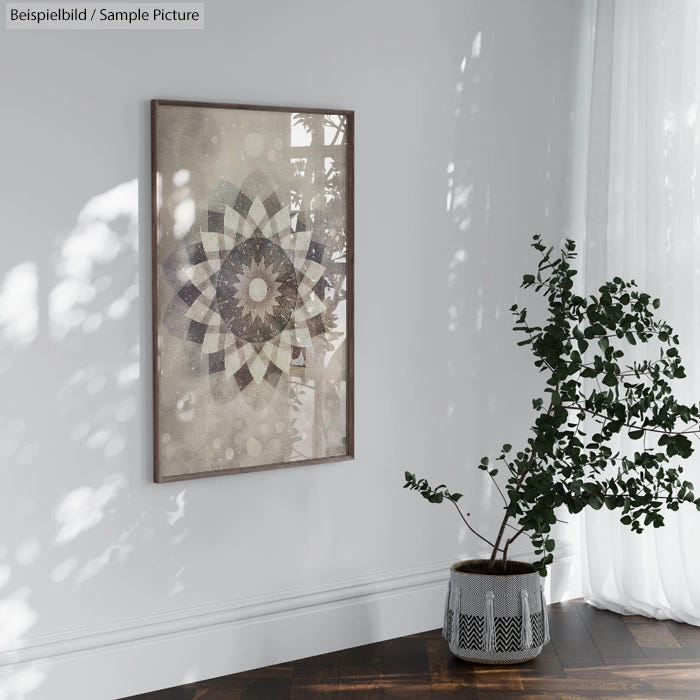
75	436
506	181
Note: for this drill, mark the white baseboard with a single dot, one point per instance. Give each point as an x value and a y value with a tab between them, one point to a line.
103	663
135	656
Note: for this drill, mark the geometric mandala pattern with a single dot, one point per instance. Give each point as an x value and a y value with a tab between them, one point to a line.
252	281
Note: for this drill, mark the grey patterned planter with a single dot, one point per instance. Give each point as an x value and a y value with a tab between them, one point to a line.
495	619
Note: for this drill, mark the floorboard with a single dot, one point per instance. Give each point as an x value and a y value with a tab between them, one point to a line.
647	633
571	638
609	632
593	654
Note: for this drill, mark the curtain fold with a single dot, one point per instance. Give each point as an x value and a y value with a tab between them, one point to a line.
636	214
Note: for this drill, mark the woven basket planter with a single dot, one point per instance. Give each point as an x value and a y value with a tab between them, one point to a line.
495	619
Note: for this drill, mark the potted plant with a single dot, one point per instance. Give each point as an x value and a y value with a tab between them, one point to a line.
607	432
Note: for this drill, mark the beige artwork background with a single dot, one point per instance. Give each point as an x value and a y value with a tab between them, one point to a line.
295	409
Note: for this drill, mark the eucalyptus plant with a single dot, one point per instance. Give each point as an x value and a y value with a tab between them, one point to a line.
606	432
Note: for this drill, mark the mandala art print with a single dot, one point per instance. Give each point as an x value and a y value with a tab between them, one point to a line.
252	287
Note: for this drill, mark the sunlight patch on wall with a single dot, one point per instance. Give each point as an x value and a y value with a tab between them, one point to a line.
28	551
178	586
476	46
102	430
128	374
13	434
174	515
479	321
463	196
179	538
17	684
16	617
107	225
84	508
190	675
120	306
19	307
117	552
691	115
453	314
459	258
64	570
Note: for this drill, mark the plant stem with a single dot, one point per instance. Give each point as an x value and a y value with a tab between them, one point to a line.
495	483
496	548
505	555
481	537
630	425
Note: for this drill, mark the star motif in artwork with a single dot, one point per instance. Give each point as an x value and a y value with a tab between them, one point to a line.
257	290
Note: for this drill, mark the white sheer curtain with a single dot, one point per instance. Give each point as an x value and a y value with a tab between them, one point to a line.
637	214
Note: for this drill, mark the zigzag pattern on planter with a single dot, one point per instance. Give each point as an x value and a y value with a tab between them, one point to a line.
539	634
471	631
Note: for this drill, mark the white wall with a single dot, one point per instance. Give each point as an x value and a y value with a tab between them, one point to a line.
463	120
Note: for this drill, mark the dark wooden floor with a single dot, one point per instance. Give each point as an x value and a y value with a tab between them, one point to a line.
593	654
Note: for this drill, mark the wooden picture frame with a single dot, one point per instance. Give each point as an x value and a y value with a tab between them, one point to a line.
252	266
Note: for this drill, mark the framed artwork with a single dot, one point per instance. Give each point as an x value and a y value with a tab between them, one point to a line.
252	287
